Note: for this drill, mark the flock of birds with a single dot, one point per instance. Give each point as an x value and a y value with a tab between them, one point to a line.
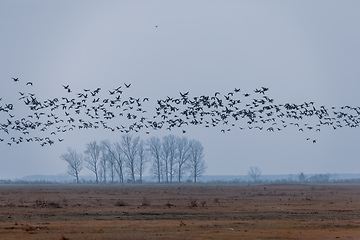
45	120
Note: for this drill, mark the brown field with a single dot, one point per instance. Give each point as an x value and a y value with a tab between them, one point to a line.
179	212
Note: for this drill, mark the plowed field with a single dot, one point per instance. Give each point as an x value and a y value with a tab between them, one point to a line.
179	212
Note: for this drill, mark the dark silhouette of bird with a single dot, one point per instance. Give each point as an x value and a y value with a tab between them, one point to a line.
67	88
15	79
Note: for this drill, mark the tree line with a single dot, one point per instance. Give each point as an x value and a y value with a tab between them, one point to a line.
168	159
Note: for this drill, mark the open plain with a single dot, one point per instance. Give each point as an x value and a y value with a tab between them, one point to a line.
178	211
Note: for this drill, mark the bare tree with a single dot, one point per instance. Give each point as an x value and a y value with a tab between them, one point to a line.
130	147
116	156
169	153
107	148
74	161
103	164
182	156
142	160
92	153
165	159
154	147
119	158
196	163
254	173
111	166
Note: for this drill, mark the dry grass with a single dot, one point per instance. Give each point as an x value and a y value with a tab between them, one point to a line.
145	202
171	212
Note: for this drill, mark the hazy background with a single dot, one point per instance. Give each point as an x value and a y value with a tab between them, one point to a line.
301	50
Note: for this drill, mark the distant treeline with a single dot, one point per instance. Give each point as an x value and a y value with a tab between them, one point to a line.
315	180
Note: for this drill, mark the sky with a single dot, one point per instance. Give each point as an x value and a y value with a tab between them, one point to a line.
300	50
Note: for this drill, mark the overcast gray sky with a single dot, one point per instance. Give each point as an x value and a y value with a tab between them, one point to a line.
300	50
